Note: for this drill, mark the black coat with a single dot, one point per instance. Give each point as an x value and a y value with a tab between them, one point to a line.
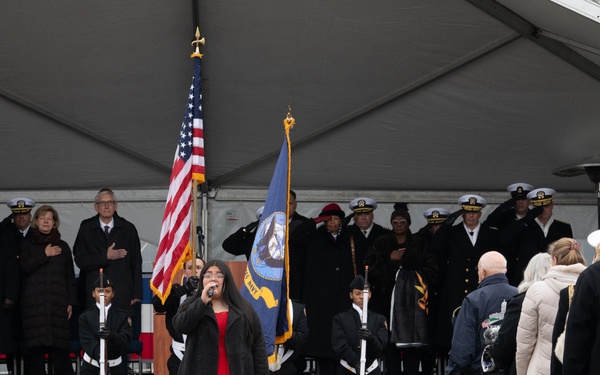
48	289
119	325
9	287
199	322
362	244
382	271
345	340
327	272
556	367
90	249
582	337
504	349
240	242
528	239
170	308
457	261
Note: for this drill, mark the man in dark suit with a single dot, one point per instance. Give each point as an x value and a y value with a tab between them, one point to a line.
363	232
514	209
110	242
533	233
16	225
457	249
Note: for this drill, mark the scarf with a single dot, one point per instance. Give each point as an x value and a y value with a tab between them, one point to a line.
52	238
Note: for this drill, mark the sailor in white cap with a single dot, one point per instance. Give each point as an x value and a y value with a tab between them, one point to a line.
363	232
13	230
435	217
457	249
533	233
515	208
20	214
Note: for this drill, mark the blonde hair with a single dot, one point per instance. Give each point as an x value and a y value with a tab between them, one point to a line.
41	211
537	267
566	251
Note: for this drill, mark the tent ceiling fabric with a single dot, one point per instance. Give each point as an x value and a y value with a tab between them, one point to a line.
394	95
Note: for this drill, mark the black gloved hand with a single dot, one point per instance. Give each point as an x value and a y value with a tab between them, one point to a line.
364	333
347	219
534	212
452	218
250	227
104	333
507	205
192	283
8	304
356	365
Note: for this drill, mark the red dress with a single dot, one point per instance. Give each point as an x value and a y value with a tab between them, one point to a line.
223	365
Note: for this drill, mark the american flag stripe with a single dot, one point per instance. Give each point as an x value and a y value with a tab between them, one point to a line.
188	165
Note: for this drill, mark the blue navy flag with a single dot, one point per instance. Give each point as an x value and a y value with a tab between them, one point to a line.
265	280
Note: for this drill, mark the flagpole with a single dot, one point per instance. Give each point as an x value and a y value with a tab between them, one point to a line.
188	172
193	236
198	41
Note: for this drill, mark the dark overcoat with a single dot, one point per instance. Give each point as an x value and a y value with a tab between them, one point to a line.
382	271
457	261
199	322
362	244
328	272
9	287
582	336
48	289
528	239
90	249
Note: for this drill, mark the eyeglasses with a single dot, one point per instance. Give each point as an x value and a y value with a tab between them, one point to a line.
106	203
218	276
399	222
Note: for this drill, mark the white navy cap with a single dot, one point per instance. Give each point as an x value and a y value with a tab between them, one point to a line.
472	202
519	190
360	205
541	196
594	238
436	215
20	205
259	212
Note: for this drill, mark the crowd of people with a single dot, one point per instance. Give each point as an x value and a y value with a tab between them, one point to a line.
44	306
436	286
510	294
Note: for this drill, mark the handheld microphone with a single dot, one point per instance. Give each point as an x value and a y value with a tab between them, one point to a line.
210	292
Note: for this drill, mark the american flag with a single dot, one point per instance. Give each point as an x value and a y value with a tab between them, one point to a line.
174	245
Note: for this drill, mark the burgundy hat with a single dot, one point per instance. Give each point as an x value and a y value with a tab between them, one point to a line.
332	209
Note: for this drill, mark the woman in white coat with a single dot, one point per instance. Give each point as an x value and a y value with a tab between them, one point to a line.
534	334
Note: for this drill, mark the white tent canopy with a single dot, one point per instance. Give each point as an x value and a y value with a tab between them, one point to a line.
389	95
400	97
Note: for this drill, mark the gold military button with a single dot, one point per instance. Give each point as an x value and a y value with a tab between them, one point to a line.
466	280
466	291
466	270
